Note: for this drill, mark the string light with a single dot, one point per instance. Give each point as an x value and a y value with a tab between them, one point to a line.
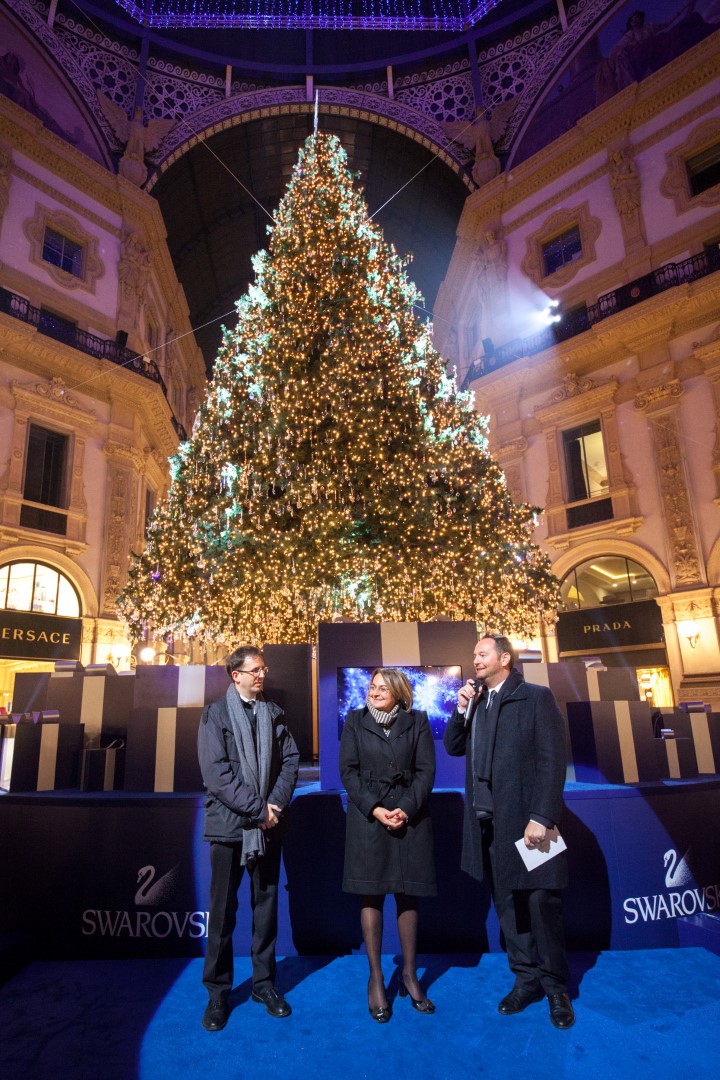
458	15
334	469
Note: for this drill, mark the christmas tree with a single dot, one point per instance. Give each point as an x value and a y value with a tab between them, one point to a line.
334	469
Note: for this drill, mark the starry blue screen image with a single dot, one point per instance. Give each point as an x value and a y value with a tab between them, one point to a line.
434	690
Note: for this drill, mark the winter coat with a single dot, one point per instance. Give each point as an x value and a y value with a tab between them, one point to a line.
393	771
528	776
230	805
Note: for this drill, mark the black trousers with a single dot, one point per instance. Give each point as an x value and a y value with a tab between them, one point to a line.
531	922
225	877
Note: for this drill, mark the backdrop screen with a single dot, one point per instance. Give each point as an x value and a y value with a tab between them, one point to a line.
434	690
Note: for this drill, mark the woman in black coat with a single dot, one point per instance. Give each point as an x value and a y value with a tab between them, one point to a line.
387	764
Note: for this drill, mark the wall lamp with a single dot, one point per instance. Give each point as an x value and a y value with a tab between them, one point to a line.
689	628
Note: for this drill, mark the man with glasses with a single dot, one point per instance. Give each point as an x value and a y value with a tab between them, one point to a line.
249	764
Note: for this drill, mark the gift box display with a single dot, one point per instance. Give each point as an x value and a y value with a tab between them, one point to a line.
163	724
613	742
677	756
38	753
95	696
103	767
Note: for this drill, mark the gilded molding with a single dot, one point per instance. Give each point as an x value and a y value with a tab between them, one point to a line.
119	516
52	399
515	446
690	609
71	205
5	179
661	396
573	384
675	184
533	264
68	225
674	493
626	192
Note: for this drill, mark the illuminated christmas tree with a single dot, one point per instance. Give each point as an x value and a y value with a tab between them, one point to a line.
334	468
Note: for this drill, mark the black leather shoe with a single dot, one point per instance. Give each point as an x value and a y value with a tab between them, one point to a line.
561	1011
274	1002
519	999
216	1015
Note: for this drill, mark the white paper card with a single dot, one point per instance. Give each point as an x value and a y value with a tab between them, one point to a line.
532	857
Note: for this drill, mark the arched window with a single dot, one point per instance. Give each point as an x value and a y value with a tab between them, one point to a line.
609	579
31	586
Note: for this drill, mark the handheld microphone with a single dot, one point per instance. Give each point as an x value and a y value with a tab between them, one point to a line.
477	685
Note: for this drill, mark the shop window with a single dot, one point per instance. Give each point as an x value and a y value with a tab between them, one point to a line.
45	480
610	579
29	586
63	252
703	169
562	250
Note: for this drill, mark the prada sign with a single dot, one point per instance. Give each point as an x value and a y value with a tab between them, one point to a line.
614	627
27	635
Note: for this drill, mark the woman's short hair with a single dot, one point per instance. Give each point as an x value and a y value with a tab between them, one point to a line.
397	683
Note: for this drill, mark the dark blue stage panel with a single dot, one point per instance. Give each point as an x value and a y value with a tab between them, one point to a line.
437	657
116	875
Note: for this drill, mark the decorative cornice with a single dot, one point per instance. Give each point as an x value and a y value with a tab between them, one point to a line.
56	400
573	384
513	448
659	397
577	396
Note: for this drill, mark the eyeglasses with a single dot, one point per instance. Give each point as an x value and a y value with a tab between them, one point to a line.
256	672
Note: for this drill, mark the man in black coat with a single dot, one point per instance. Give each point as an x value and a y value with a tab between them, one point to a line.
249	765
513	736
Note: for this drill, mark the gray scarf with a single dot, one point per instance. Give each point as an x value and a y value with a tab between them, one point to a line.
384	719
255	762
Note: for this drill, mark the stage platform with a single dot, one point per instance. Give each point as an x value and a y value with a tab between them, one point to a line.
114	874
648	1015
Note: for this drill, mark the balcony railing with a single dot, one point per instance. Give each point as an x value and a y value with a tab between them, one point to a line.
54	326
578	321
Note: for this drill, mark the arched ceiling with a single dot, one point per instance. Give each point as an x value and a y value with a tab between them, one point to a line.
214	225
239	101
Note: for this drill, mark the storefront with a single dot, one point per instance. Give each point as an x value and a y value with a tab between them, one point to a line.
40	621
609	614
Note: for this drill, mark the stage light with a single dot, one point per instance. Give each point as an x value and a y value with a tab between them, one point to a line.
147	655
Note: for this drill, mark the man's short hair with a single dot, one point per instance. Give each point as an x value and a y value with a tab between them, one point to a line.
503	645
236	659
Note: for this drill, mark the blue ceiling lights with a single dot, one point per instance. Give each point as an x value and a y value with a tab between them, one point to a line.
455	15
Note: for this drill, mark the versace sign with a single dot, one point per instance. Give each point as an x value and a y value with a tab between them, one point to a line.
26	635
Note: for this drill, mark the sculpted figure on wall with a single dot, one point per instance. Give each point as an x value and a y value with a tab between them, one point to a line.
5	166
133	274
625	184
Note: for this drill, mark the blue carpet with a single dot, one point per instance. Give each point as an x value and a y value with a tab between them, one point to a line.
650	1015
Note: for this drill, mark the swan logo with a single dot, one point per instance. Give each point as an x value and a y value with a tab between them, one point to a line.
684	896
152	891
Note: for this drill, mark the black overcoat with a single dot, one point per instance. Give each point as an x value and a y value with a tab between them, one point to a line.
393	771
528	776
230	805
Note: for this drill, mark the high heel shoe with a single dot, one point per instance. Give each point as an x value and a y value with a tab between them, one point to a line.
423	1005
380	1013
